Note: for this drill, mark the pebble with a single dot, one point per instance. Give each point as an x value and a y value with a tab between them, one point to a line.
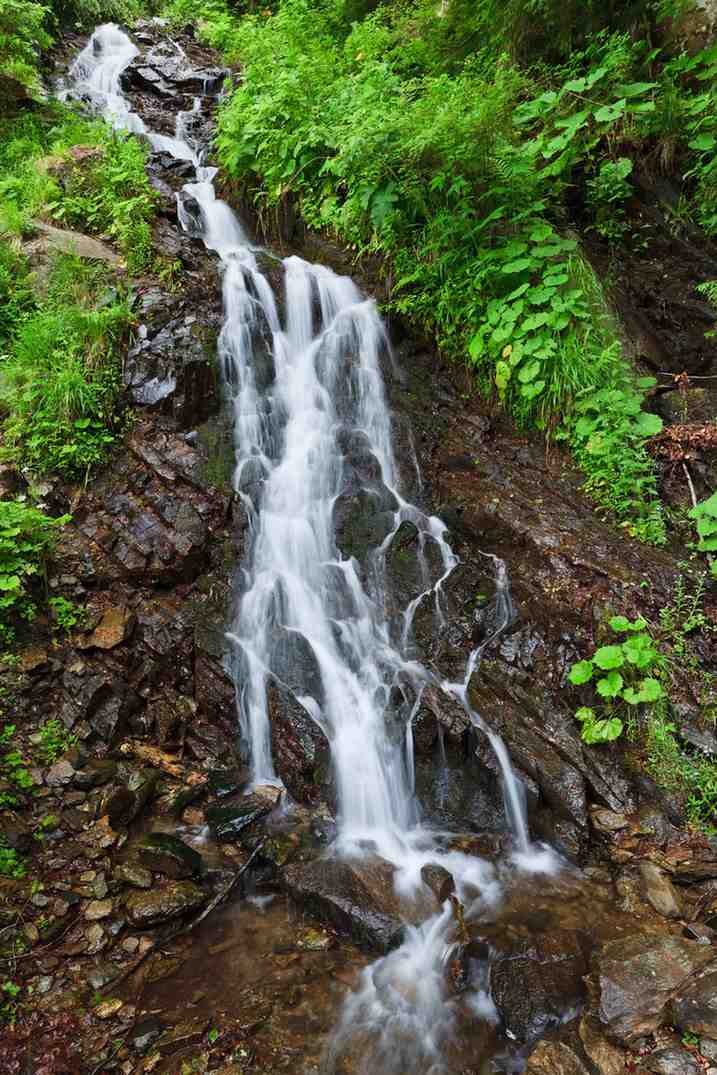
97	909
44	984
31	932
130	944
108	1008
96	938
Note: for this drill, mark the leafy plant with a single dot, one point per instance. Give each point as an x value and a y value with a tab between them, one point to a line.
55	741
26	536
607	192
65	614
705	515
10	863
624	674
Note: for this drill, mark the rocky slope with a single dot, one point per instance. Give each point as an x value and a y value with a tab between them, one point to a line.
153	829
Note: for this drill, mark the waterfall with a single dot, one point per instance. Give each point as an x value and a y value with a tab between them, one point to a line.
300	386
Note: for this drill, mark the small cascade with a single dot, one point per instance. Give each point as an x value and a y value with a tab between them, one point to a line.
302	385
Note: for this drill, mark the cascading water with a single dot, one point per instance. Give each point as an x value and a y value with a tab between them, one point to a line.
300	390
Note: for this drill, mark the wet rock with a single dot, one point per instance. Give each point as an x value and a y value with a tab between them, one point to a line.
554	1058
144	1033
15	834
162	904
672	1061
98	909
96	773
357	898
107	1008
607	821
607	1058
229	821
169	855
637	976
130	873
695	1007
534	981
299	748
182	1034
659	891
223	782
439	880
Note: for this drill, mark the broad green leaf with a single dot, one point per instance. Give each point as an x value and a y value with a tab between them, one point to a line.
581	672
529	372
620	623
610	113
650	690
648	424
610	685
517	266
585	713
608	657
703	142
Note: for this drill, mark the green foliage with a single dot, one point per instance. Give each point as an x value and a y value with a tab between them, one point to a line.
636	681
408	131
54	741
22	37
26	536
65	614
705	515
10	863
607	191
623	674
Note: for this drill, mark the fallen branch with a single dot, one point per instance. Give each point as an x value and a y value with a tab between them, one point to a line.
222	895
157	758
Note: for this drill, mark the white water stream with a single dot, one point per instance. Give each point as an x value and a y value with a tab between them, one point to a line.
299	385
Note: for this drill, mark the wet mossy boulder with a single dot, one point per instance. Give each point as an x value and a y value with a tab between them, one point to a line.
163	904
163	853
228	821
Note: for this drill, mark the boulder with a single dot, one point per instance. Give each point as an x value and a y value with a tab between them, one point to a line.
228	821
554	1058
129	873
162	904
694	1009
169	855
299	747
659	891
636	978
356	897
673	1061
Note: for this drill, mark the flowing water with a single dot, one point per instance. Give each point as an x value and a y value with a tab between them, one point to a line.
306	390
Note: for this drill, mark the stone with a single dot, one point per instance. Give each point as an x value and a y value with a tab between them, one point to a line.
169	855
60	774
61	240
439	880
131	873
162	904
708	1048
607	821
96	773
108	1008
356	897
636	978
96	939
115	627
228	821
554	1058
694	1009
98	909
672	1061
659	891
607	1058
223	782
145	1033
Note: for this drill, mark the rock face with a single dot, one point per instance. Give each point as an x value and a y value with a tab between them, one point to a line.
637	977
169	855
357	898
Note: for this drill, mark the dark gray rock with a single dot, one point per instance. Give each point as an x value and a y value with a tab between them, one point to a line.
228	821
163	904
694	1009
169	855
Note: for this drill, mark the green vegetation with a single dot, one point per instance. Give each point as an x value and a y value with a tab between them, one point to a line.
26	536
60	333
456	140
635	681
54	741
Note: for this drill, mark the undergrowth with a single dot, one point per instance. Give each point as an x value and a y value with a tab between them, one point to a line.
634	683
452	140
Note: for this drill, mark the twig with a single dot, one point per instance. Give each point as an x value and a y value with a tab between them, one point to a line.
45	947
691	486
221	896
